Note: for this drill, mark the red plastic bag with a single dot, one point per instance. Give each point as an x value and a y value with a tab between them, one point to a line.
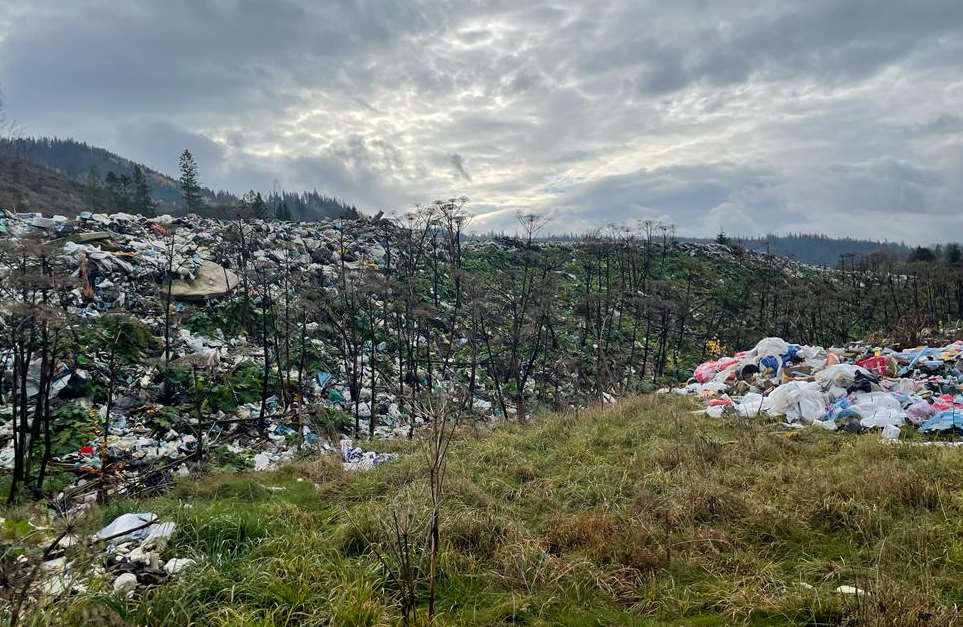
878	365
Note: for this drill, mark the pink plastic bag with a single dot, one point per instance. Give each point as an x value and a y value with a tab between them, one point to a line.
707	371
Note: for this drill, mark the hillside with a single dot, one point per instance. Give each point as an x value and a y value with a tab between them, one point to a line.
76	162
811	249
35	188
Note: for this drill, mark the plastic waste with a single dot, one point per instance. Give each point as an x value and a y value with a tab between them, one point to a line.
947	419
177	564
851	389
750	405
879	409
127	527
891	432
125	583
355	459
797	401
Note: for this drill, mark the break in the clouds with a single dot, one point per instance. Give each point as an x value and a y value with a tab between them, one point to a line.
839	116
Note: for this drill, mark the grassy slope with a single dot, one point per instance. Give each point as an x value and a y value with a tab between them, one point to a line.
639	514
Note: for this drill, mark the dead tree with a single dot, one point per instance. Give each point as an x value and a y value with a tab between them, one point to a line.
267	320
443	418
34	325
413	232
175	259
514	326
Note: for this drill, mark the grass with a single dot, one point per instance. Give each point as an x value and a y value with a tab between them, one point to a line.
642	513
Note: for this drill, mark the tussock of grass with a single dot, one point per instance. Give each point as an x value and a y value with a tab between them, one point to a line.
643	513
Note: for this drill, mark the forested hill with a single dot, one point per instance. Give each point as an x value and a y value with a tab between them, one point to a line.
85	169
820	249
77	161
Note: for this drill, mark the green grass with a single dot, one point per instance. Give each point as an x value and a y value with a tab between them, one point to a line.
639	514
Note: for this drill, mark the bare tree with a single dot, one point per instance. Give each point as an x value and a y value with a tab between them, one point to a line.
33	324
174	259
264	281
515	325
443	418
8	128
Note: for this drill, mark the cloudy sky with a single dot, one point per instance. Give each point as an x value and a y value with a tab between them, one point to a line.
838	116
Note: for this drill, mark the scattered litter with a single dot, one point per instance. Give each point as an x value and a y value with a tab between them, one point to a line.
356	459
127	527
177	564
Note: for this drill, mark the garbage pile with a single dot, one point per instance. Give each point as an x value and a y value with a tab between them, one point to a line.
127	553
118	263
119	258
856	388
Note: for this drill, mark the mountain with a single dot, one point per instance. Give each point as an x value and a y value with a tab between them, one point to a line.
61	172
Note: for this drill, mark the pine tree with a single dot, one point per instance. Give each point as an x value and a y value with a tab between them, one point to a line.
92	192
259	208
282	212
115	202
953	254
922	254
126	187
189	185
142	202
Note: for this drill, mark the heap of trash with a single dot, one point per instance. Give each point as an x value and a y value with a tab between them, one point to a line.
856	388
127	554
118	266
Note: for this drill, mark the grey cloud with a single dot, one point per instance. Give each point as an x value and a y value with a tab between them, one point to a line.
458	164
942	124
836	115
161	143
698	199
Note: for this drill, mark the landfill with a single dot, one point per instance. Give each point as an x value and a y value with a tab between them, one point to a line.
118	262
856	388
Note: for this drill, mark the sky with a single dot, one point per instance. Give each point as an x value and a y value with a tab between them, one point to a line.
837	116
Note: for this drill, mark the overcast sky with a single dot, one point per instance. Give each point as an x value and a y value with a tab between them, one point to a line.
837	116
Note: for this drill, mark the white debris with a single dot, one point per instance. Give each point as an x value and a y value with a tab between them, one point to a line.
262	461
177	564
126	527
125	584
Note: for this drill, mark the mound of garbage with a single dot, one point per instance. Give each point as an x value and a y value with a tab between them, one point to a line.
855	388
133	273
